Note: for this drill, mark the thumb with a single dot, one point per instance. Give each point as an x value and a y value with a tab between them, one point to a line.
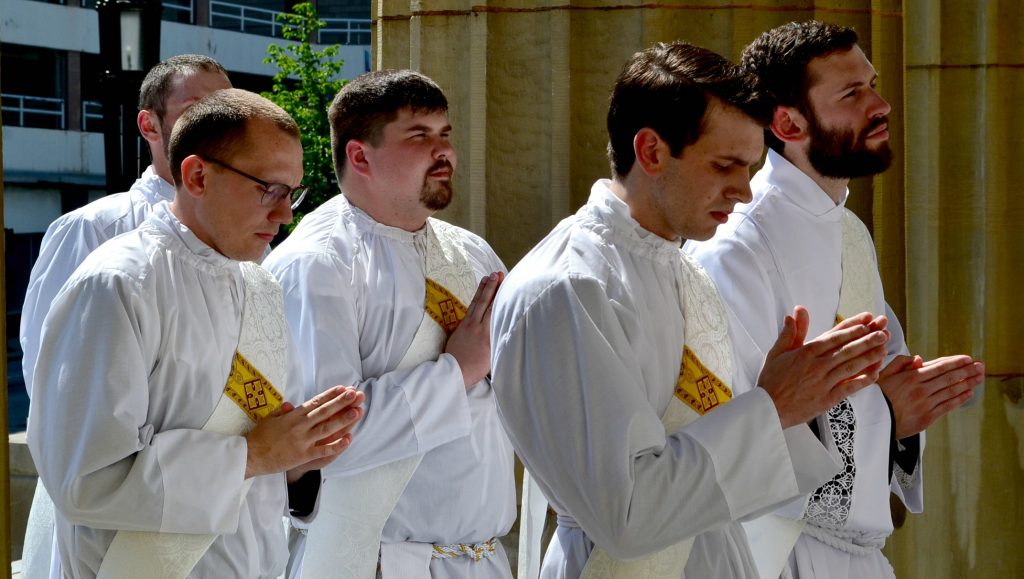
787	338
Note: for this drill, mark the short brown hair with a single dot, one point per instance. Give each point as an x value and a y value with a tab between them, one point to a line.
779	59
217	122
370	101
668	88
156	87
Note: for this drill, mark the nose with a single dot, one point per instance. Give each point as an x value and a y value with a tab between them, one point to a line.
879	106
281	212
740	190
444	150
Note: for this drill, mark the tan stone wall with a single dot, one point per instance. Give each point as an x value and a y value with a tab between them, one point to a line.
529	81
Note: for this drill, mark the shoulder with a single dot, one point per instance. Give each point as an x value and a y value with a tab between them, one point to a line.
322	248
475	246
567	266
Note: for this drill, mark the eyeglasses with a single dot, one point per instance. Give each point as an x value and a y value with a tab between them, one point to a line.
273	193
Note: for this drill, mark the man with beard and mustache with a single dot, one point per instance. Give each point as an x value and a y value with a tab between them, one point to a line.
168	90
381	295
796	243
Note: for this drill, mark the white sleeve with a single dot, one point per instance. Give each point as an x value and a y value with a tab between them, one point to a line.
105	462
408	412
68	241
581	421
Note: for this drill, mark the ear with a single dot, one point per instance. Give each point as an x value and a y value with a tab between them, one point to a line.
355	155
149	127
789	125
193	176
650	150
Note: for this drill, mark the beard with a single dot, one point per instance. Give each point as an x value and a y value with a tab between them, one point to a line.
841	154
436	195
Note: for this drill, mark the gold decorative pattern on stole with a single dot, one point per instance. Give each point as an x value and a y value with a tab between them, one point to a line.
698	387
250	390
444	307
839	319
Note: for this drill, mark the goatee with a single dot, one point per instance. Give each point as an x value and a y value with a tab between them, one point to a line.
437	194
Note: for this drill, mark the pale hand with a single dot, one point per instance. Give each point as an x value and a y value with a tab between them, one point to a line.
805	380
306	437
921	392
470	343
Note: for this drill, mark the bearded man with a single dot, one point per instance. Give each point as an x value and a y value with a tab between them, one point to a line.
796	243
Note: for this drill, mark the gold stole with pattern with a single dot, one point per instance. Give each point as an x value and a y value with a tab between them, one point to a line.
344	538
706	358
249	396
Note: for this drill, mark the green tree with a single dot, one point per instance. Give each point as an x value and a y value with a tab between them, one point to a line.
305	84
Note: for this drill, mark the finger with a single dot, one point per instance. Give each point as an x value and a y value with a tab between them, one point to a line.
861	319
490	305
898	364
838	338
785	341
802	321
486	296
473	304
879	323
855	361
961	365
338	423
329	402
851	385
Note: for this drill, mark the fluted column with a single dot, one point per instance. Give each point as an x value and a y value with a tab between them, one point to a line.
964	86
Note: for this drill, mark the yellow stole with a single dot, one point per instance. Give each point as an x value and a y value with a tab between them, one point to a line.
249	396
344	539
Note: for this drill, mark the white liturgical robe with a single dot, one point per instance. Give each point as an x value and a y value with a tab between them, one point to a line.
134	356
72	237
67	242
785	249
587	341
354	297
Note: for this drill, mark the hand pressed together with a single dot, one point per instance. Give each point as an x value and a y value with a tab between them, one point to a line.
921	392
299	439
470	343
805	380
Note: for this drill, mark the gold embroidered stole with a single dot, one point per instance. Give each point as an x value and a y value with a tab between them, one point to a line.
344	539
707	357
249	396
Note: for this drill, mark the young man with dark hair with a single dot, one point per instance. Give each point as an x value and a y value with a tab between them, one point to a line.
164	361
611	349
167	90
381	295
796	243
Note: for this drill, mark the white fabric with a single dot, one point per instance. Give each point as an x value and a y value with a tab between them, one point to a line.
135	354
587	342
354	296
262	343
68	240
782	249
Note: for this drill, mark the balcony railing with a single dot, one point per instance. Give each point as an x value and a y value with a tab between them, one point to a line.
353	31
92	116
234	16
179	11
32	111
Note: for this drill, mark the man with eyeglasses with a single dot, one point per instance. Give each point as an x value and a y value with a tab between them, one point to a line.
381	295
169	88
165	362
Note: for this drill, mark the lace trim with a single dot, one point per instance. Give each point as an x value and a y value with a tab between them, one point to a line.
906	480
829	505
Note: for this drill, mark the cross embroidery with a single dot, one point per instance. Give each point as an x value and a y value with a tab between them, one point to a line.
706	388
448	315
255	396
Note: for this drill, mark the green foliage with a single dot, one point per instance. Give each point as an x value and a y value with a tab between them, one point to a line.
305	85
